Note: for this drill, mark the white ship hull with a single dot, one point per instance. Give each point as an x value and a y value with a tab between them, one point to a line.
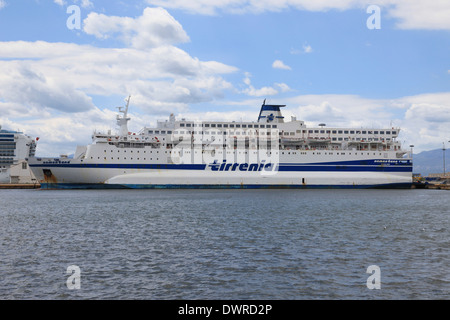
298	176
269	153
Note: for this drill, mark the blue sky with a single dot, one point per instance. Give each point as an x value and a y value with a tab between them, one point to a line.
219	59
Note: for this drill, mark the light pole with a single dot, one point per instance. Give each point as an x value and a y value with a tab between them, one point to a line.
411	156
443	155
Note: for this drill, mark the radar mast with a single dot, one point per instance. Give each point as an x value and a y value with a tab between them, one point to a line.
122	121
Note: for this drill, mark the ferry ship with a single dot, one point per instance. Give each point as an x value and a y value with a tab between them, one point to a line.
267	153
15	149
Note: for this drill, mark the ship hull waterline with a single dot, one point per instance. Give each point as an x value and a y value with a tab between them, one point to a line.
340	177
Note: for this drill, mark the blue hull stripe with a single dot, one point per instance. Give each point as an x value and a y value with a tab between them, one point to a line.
122	166
336	167
339	168
373	162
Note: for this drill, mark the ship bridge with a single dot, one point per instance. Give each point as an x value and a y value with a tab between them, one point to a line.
270	113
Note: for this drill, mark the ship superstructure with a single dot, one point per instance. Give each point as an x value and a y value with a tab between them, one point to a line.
267	153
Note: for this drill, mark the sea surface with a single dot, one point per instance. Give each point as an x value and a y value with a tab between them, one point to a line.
224	244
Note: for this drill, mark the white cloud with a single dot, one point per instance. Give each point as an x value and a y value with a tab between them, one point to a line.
61	75
85	3
24	83
40	77
278	64
261	92
2	4
340	110
416	14
283	87
424	119
307	48
207	7
211	7
264	91
410	14
46	88
61	133
156	27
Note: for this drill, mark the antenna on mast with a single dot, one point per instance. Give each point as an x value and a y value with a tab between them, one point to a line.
122	122
126	108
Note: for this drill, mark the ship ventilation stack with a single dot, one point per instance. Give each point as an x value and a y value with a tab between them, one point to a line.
270	113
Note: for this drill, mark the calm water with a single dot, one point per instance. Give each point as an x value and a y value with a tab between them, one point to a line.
225	244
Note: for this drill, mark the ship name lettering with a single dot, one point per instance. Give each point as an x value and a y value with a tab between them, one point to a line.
224	166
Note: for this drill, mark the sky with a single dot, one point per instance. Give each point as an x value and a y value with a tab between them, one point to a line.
66	65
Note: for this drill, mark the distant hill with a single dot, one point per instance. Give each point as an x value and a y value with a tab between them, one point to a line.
431	161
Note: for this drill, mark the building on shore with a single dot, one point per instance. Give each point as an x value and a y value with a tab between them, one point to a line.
445	175
15	149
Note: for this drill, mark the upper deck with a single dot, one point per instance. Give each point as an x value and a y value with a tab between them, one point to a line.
271	132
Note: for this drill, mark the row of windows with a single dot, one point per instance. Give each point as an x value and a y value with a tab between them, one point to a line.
221	132
220	125
359	139
159	132
292	133
196	132
282	152
351	131
125	158
131	151
281	133
350	153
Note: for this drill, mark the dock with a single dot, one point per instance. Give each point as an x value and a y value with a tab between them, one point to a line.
437	186
436	181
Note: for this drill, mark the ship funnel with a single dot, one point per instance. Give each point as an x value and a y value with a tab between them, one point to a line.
270	113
